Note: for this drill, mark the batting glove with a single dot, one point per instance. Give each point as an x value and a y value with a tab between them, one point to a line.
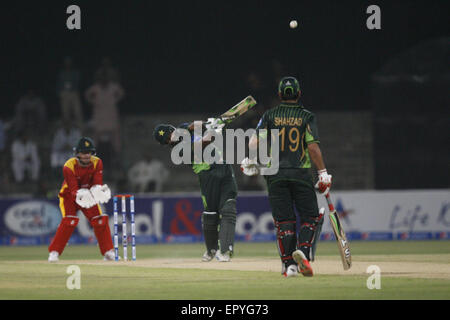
324	183
249	167
214	124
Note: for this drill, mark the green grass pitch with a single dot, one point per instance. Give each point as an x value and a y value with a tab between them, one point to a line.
409	270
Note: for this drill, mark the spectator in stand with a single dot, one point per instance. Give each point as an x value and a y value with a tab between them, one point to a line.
106	69
278	72
4	170
147	175
63	141
25	158
30	114
104	96
69	94
2	135
5	177
256	85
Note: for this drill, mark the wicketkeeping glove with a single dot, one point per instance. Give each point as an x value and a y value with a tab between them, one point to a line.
324	183
101	194
85	199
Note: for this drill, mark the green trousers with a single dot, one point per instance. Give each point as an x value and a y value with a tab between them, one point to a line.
217	185
219	191
289	189
292	189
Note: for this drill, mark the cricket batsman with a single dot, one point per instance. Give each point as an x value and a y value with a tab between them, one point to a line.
293	184
83	189
218	189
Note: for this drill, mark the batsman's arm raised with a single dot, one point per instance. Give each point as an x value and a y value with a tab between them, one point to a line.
205	138
262	124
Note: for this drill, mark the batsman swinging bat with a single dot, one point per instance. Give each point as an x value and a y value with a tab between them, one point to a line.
343	244
238	110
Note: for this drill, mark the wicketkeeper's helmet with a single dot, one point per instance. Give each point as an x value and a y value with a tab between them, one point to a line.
289	88
162	133
85	145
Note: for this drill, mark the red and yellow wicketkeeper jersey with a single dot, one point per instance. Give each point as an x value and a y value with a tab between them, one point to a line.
77	177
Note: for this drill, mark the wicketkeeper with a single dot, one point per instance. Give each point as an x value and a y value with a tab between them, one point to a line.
293	185
83	189
218	189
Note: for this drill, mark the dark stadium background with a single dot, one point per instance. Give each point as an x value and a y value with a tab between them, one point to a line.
194	56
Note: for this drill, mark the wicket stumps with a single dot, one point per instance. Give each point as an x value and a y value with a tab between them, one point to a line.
123	198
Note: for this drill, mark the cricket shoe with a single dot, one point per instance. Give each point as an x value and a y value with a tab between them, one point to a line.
53	256
208	255
223	257
109	255
291	271
303	263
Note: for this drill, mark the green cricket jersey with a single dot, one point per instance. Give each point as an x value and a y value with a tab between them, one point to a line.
297	128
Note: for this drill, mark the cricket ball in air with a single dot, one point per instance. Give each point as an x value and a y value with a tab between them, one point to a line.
293	24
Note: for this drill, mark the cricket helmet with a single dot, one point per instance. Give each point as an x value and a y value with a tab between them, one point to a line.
162	133
289	88
85	145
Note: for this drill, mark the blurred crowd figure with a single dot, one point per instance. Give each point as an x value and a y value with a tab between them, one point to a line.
262	83
30	113
147	175
25	162
64	139
92	108
34	145
3	129
107	70
68	87
103	96
4	164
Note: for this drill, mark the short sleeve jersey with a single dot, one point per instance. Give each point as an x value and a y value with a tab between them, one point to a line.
297	128
76	176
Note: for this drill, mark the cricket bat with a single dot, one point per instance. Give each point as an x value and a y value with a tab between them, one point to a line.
238	110
341	238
